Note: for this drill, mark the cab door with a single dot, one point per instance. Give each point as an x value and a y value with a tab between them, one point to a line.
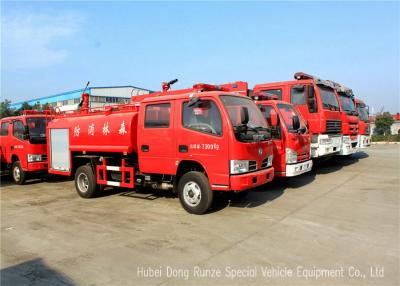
4	137
203	137
156	138
303	97
17	142
278	137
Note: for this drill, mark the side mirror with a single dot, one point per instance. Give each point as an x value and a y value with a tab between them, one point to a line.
244	115
296	122
274	118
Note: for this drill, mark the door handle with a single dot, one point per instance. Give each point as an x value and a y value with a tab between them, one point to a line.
183	148
145	148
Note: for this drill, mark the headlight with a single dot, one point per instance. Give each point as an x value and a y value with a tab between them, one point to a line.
291	156
325	141
269	164
34	158
239	166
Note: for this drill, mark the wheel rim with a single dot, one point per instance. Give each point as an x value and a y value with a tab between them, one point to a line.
192	194
17	174
83	182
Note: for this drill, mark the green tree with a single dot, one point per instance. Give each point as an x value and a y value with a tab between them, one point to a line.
5	109
24	106
383	122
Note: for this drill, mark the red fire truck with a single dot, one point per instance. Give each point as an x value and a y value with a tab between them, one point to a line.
23	144
364	138
349	118
316	101
290	136
195	143
291	140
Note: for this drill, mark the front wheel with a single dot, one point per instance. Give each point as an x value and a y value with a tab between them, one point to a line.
85	182
195	193
18	174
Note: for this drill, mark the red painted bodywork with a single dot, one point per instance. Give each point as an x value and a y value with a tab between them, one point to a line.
212	152
316	121
363	126
15	149
296	141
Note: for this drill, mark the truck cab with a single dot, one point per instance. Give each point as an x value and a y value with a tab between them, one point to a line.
290	137
349	118
23	144
364	137
316	101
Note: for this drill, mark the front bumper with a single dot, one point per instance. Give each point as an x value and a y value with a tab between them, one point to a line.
298	169
348	148
36	167
251	180
364	141
320	150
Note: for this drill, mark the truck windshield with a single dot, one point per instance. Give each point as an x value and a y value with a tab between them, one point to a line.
362	112
347	104
37	130
328	96
288	112
256	129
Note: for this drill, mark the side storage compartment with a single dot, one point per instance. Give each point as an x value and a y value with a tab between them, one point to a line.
60	155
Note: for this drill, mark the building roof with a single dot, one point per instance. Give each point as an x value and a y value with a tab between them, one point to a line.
68	95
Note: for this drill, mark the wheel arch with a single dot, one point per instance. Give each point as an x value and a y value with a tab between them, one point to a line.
187	166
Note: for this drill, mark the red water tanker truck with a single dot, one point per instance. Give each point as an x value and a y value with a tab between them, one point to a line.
364	129
195	143
316	101
23	144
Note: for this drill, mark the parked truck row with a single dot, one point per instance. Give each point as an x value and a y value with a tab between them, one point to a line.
194	141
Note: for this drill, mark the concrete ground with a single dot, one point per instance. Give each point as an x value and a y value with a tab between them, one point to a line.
338	225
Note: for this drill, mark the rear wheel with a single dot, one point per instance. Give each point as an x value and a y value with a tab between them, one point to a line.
85	182
18	174
195	193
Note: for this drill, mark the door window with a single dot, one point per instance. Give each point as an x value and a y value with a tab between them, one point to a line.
18	129
204	117
298	95
157	115
275	130
4	128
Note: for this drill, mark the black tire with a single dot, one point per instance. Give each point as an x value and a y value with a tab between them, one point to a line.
195	182
18	175
85	182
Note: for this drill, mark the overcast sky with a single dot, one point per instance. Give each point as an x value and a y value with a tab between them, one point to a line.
49	48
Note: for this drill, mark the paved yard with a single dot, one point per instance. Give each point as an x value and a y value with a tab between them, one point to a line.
338	225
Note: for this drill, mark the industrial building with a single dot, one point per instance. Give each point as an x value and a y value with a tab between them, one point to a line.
99	96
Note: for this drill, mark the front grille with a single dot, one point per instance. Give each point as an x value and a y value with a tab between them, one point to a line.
44	157
252	166
333	126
